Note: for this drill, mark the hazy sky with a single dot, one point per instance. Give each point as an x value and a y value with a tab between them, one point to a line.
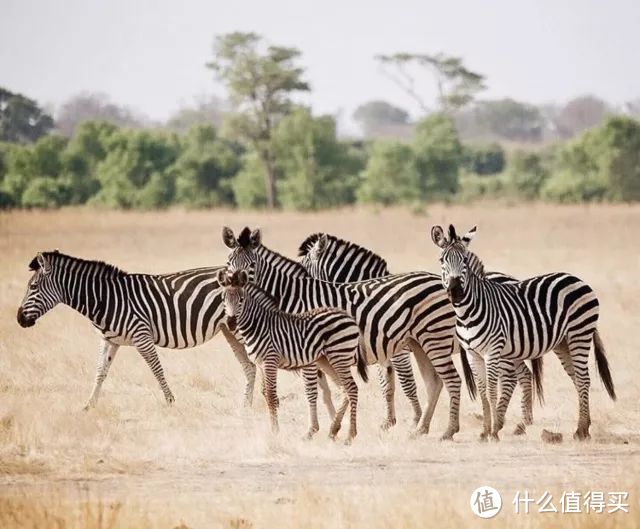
150	55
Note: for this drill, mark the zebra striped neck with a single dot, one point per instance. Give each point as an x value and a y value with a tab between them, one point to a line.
82	283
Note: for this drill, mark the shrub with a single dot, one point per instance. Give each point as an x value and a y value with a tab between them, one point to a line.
43	192
527	174
484	159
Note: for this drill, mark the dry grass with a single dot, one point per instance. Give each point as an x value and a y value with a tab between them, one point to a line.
206	462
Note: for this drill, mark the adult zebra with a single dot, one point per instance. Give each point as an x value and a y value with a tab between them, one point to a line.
388	310
503	324
327	338
178	310
330	258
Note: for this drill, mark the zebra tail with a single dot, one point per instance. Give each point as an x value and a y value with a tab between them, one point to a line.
468	375
362	364
603	365
537	374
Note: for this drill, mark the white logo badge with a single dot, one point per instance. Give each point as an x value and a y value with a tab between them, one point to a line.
485	502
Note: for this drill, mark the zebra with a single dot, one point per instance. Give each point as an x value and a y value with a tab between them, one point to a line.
326	338
503	324
331	258
177	310
388	310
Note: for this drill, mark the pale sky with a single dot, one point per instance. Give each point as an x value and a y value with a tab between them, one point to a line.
150	55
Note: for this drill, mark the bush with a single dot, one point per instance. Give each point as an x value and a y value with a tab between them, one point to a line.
43	192
527	174
473	187
248	185
566	187
438	157
483	159
390	176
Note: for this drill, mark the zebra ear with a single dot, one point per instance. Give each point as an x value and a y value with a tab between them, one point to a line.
323	241
222	277
43	263
256	238
468	237
438	237
229	238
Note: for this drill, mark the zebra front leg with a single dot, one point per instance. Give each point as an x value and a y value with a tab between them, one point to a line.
480	374
433	384
402	366
326	394
270	390
388	385
493	375
248	367
106	355
147	349
310	377
523	374
507	385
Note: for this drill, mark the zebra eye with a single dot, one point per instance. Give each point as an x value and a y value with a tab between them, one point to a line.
33	286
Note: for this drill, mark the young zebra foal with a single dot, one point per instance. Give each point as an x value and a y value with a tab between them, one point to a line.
325	338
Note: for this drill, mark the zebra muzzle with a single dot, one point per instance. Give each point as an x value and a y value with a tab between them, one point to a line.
232	323
23	321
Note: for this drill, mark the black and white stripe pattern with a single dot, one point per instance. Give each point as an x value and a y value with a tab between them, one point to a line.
390	312
330	258
325	338
503	324
178	310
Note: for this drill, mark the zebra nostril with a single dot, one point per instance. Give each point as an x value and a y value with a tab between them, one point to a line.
232	323
23	321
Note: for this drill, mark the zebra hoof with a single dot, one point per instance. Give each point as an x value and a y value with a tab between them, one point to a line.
521	429
348	441
483	438
418	433
309	435
494	437
446	437
582	435
170	400
387	424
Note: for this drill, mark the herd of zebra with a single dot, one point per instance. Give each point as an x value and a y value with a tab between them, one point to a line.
336	307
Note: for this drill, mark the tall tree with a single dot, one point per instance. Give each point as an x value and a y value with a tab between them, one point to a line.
580	114
260	81
21	119
456	85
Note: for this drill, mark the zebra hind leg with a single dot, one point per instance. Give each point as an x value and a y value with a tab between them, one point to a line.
310	376
402	366
388	384
523	374
269	389
433	384
579	347
147	349
248	367
105	358
329	370
326	395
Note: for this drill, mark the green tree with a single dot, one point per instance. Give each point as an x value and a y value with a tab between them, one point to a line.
248	184
260	83
21	119
455	83
439	156
391	176
527	173
315	170
205	167
509	119
137	159
483	159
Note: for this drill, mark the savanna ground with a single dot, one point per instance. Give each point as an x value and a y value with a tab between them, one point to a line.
207	462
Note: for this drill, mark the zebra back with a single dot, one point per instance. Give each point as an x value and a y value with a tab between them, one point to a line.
333	259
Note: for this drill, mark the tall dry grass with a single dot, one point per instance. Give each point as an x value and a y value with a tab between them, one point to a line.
206	461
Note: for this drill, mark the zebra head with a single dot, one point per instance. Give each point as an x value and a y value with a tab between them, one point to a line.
312	251
233	294
243	255
43	290
454	259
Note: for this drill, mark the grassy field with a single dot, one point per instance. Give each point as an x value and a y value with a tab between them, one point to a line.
207	462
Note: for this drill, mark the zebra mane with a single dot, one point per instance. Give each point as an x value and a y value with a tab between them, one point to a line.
476	267
336	243
272	255
55	257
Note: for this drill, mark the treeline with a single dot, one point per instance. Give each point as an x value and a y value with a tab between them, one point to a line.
261	149
116	167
